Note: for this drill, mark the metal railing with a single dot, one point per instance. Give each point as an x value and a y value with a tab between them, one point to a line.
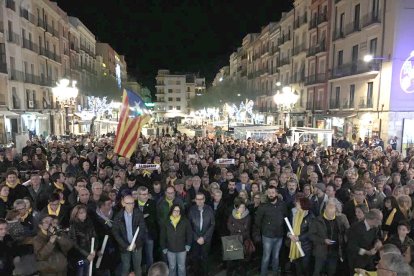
316	49
300	20
371	18
356	68
299	49
13	38
334	104
348	105
16	75
3	68
365	103
315	78
27	44
24	13
10	4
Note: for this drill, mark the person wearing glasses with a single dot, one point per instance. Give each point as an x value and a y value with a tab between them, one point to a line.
202	223
149	210
124	227
363	241
175	240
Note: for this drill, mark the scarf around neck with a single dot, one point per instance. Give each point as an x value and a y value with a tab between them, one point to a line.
53	213
297	222
175	221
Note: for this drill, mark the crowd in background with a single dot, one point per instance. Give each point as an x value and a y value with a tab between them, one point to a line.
347	206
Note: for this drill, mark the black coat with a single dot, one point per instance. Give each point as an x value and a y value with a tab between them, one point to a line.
270	219
304	236
4	207
239	226
359	237
175	239
150	215
120	232
81	233
18	192
7	254
318	232
208	223
221	214
40	197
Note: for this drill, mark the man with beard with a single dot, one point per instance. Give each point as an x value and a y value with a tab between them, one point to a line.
270	221
231	193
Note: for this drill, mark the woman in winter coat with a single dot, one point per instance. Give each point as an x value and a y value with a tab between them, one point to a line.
81	232
175	240
238	224
301	220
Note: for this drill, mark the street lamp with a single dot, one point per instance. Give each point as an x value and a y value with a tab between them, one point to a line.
286	99
66	95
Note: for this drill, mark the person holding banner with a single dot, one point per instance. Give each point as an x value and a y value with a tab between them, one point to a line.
125	225
301	219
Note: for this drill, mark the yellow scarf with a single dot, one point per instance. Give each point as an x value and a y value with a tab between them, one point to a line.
170	202
326	217
368	273
59	186
5	198
299	172
389	220
141	203
175	221
237	215
25	216
146	173
12	186
51	212
297	222
365	202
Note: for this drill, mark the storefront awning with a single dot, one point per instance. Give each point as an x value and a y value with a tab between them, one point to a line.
8	113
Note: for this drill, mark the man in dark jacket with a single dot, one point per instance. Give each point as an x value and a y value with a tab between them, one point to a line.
149	210
363	241
16	190
165	203
6	250
126	223
202	223
270	221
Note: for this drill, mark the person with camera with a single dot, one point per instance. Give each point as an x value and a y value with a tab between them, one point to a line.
51	247
126	223
81	232
57	209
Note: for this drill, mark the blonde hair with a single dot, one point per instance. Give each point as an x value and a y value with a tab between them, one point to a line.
75	212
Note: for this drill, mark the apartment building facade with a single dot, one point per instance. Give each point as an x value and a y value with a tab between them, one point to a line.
174	93
348	60
39	45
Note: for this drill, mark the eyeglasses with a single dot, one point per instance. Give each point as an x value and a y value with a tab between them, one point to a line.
199	198
129	203
145	194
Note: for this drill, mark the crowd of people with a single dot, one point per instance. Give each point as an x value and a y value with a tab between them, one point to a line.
66	206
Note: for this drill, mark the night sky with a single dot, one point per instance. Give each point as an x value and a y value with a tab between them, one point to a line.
183	36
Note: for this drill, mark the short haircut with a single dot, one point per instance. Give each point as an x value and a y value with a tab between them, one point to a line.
142	189
158	269
373	214
305	203
54	197
18	202
94	184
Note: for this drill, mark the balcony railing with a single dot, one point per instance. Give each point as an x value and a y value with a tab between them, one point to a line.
284	38
323	17
13	38
41	23
298	77
334	104
43	81
318	106
309	105
338	34
28	16
316	49
348	105
16	75
299	49
354	69
10	4
352	28
316	78
29	78
300	20
284	61
365	102
371	18
27	44
51	30
3	68
313	23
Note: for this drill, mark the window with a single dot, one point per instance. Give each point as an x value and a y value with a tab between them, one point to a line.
342	23
188	89
357	12
178	99
178	82
3	59
178	107
340	58
373	46
170	90
355	50
375	9
170	99
370	91
351	95
170	108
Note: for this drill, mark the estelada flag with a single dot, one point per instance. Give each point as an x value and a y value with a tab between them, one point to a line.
133	116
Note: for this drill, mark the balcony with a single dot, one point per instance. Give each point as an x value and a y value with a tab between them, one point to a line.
51	30
318	106
3	68
43	81
284	38
334	104
315	79
301	20
348	105
284	61
371	18
29	78
1	27
16	75
352	27
323	17
316	49
309	105
313	23
74	47
10	4
66	52
273	50
299	49
41	23
365	103
27	44
338	34
13	38
337	1
298	77
49	54
28	16
350	69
